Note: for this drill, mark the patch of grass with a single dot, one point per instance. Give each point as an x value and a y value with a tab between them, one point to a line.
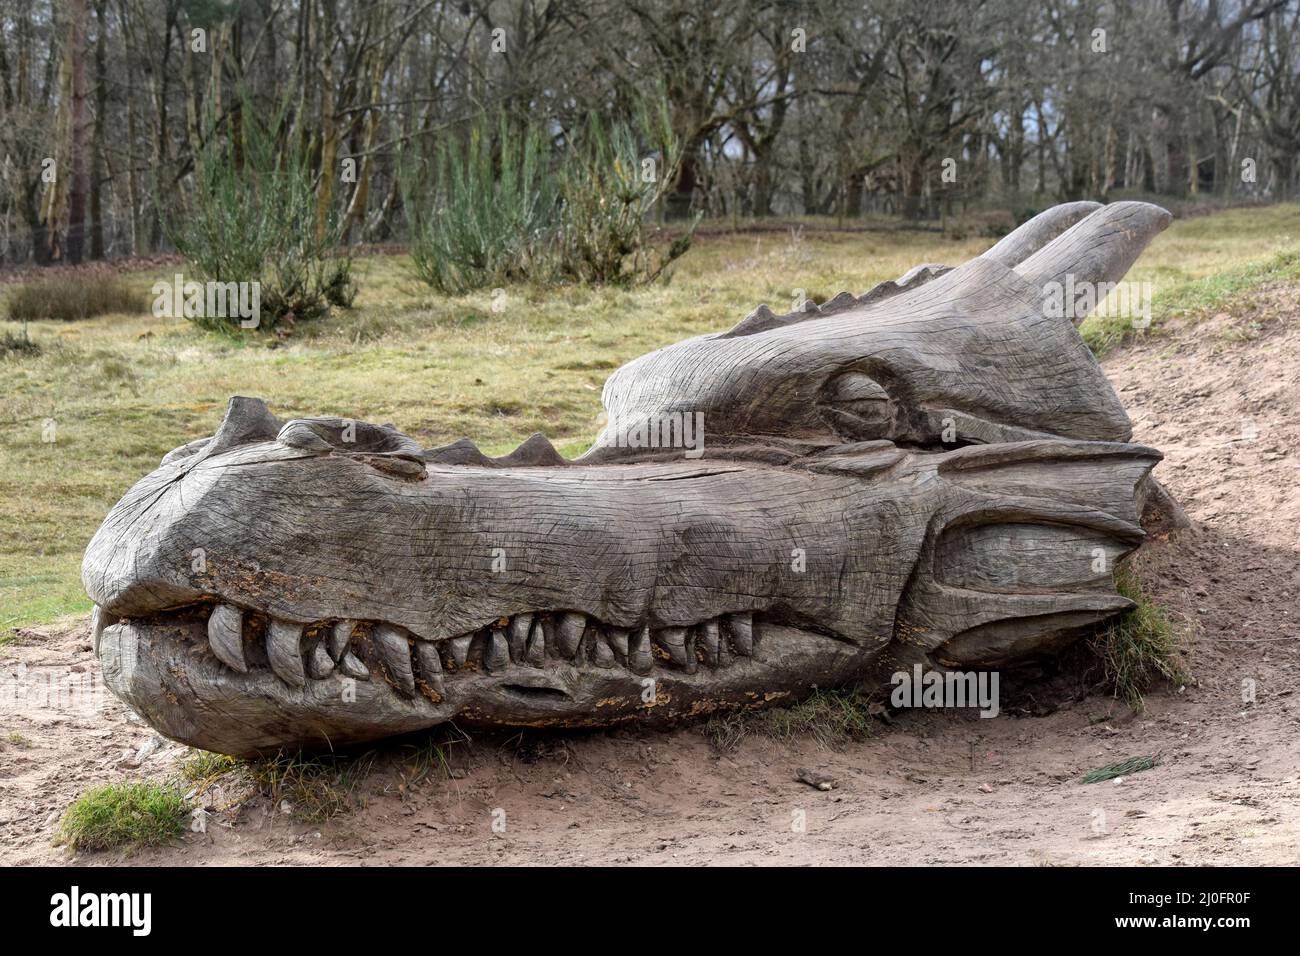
828	716
1193	297
1121	769
431	756
68	300
315	787
18	740
1141	647
130	815
203	767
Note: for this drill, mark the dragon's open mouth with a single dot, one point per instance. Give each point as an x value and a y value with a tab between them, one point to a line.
296	653
214	673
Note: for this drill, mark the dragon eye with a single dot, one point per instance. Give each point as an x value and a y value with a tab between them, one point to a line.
858	407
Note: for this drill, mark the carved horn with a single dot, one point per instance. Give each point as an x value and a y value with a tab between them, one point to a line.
1100	248
1015	247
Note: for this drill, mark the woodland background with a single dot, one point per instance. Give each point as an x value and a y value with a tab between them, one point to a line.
777	108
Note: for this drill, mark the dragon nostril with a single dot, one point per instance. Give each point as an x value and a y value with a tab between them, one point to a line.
300	434
344	435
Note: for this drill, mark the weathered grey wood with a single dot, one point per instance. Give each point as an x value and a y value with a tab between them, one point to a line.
935	472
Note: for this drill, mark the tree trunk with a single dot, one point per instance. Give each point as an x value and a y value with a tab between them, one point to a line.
913	188
77	155
97	146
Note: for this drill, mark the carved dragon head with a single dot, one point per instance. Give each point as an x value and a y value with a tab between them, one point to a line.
936	471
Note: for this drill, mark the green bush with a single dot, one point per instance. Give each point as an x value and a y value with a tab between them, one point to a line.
18	344
252	217
67	300
608	192
489	216
500	209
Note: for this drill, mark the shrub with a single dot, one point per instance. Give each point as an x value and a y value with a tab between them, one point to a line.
488	217
18	344
253	217
609	190
67	300
503	211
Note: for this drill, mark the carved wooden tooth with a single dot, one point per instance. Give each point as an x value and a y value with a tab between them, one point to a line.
741	627
96	627
430	664
319	663
536	655
351	666
639	660
459	647
569	633
226	636
339	637
673	642
395	652
617	638
497	654
604	656
707	639
518	636
282	647
100	619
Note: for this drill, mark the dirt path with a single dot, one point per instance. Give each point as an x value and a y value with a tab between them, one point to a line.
1219	399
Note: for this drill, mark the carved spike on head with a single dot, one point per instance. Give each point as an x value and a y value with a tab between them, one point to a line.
247	420
845	300
536	451
760	320
460	452
914	278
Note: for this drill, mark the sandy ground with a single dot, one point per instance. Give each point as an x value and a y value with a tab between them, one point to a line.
928	788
